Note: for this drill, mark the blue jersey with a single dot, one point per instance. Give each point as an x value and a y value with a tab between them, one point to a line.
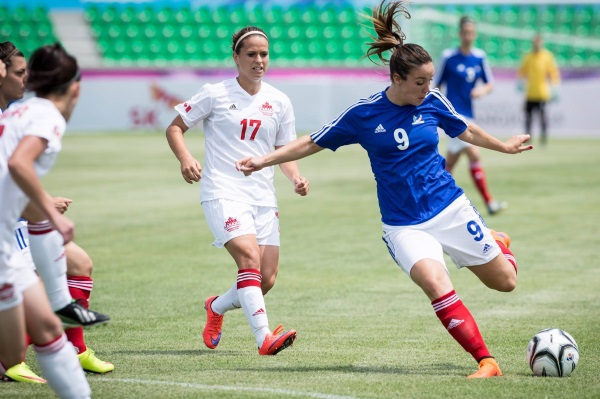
460	73
402	142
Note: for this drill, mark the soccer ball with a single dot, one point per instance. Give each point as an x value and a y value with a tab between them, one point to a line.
552	353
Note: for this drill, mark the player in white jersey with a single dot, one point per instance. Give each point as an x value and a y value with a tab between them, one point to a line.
424	213
241	116
30	139
460	70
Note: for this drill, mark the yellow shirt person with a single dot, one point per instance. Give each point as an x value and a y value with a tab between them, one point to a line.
541	75
539	69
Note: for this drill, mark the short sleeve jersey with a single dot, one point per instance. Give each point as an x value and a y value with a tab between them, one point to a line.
34	117
402	143
460	73
236	125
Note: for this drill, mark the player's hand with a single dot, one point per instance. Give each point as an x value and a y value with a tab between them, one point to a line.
62	204
191	170
301	185
518	144
64	226
477	92
249	164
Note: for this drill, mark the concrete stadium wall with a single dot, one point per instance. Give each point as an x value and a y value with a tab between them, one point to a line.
143	100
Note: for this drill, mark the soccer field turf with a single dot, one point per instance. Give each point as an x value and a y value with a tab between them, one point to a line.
364	329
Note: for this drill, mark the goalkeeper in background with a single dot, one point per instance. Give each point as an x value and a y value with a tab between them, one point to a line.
541	77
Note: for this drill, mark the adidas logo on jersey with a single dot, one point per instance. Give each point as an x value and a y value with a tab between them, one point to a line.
380	129
233	107
454	323
486	248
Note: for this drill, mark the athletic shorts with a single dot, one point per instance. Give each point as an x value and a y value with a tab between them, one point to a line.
456	145
230	219
458	231
16	275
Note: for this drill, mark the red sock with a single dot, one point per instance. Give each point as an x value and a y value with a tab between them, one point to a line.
508	254
480	182
28	342
459	322
80	287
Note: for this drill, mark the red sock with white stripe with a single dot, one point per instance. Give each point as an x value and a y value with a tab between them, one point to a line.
60	366
80	288
48	253
459	322
480	181
253	302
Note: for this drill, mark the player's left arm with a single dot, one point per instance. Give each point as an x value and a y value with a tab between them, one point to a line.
477	136
292	172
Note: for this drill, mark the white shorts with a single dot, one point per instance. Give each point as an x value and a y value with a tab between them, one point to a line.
16	275
459	231
456	145
230	219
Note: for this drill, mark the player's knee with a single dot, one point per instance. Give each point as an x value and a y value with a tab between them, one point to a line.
508	284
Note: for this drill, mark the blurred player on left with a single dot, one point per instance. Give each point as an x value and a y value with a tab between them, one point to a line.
30	140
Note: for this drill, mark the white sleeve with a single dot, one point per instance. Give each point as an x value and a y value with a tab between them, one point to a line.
46	125
197	108
286	132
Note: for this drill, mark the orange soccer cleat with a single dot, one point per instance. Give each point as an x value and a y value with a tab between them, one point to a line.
488	367
277	341
214	324
502	237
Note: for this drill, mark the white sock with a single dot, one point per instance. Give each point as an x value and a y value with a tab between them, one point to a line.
60	366
48	253
227	301
252	301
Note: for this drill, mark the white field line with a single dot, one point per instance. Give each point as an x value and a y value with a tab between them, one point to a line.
283	392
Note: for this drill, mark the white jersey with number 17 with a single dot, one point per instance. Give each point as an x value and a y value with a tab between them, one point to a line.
236	125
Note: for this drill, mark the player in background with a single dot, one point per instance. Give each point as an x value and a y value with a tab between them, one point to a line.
241	116
31	135
424	213
542	78
47	248
460	70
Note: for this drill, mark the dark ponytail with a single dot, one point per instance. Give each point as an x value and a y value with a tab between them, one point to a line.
51	70
404	57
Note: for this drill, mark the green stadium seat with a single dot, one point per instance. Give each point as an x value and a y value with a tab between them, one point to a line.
256	15
273	15
202	15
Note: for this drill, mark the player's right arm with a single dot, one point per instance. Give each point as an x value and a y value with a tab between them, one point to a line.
190	167
297	149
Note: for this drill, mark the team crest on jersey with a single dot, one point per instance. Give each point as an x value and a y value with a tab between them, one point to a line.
266	109
233	107
187	107
418	121
56	131
231	224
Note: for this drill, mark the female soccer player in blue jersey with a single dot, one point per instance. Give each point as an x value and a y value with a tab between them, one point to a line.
460	70
424	213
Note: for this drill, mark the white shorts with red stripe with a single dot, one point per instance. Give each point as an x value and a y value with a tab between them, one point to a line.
17	274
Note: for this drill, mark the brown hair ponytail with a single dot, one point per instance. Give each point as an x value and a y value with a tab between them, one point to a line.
404	57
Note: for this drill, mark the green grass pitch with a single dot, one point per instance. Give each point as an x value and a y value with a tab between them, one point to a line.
364	330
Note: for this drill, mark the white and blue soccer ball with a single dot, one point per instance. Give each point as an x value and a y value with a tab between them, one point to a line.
552	353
